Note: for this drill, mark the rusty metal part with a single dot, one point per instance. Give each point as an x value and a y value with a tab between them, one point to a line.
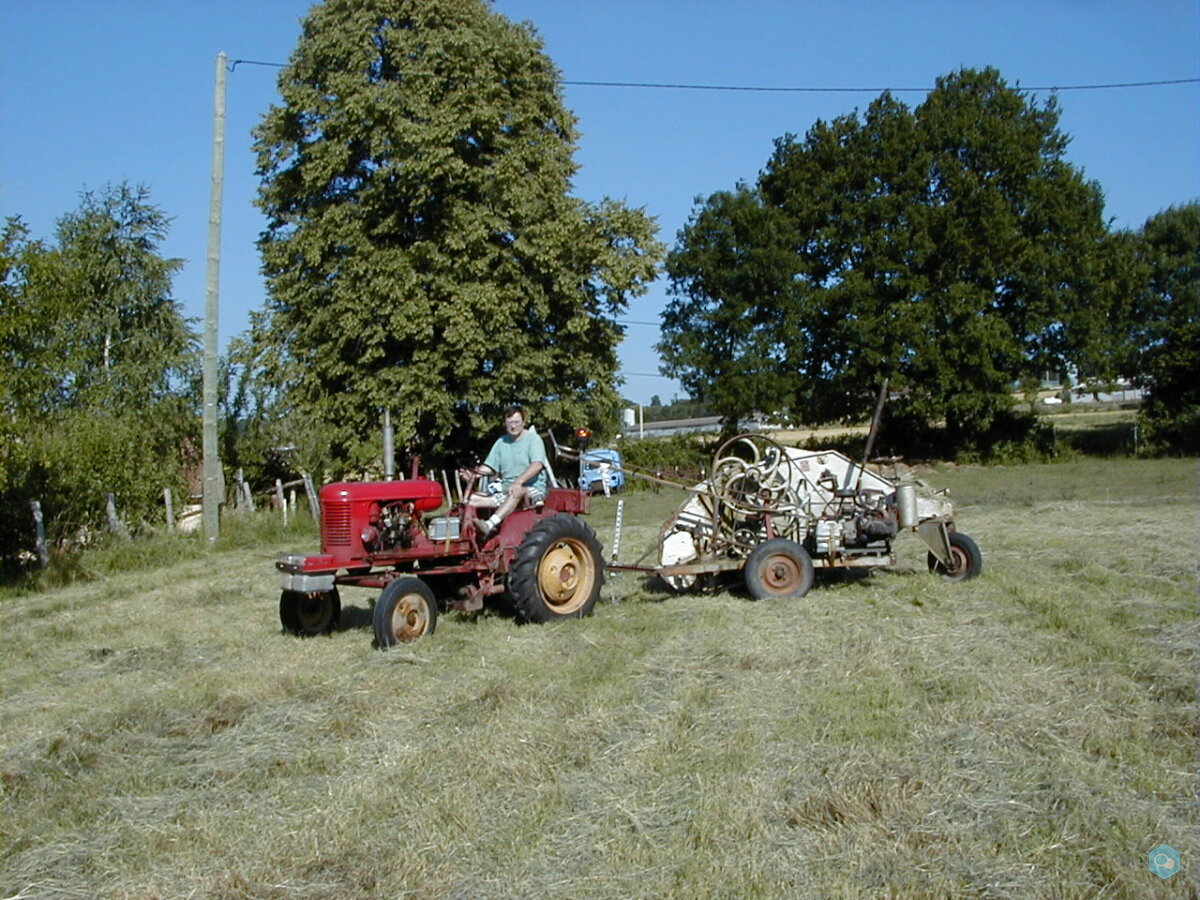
471	596
410	618
780	573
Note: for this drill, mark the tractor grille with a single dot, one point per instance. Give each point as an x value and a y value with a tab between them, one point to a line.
335	525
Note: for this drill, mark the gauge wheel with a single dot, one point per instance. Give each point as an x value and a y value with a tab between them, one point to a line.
406	610
966	560
778	568
557	570
307	613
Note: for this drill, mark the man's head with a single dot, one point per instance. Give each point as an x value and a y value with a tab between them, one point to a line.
514	421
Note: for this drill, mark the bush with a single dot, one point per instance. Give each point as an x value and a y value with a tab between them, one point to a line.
681	457
105	555
73	463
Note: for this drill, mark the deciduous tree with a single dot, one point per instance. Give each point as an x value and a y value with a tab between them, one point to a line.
423	252
97	367
1168	329
951	248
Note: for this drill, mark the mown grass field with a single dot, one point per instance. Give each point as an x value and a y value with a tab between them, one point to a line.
1032	733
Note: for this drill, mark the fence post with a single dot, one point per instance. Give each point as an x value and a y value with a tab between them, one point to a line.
115	525
281	500
170	510
39	531
314	504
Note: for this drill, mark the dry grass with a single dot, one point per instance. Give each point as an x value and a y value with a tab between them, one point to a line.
1029	734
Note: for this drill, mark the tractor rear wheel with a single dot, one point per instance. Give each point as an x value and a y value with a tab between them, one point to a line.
557	570
778	568
966	560
307	613
406	610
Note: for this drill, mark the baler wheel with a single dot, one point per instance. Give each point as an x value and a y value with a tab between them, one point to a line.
966	558
557	571
406	610
778	568
310	613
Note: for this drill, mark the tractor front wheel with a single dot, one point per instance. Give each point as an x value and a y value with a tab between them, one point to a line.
309	613
406	610
778	568
557	571
965	559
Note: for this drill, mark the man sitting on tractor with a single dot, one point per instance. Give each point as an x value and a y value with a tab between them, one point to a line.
516	472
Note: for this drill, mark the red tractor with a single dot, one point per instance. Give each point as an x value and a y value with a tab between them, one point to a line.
384	535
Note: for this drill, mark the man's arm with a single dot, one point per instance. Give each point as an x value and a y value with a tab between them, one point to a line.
530	472
483	470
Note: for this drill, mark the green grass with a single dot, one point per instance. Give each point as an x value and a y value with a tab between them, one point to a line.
1028	734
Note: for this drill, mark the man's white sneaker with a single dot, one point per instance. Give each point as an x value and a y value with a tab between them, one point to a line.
485	527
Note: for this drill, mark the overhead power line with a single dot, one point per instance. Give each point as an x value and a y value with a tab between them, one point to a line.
669	86
862	90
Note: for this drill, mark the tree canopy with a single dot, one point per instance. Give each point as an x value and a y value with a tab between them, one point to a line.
423	252
951	248
1167	328
89	320
97	366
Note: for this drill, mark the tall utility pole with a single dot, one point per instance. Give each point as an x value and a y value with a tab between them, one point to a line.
213	482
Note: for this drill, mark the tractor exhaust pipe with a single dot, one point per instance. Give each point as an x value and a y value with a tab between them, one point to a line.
389	447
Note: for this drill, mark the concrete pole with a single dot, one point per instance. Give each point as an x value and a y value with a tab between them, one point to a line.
281	500
39	529
212	462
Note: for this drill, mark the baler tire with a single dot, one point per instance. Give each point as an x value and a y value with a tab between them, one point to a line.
968	561
557	571
405	610
778	568
310	613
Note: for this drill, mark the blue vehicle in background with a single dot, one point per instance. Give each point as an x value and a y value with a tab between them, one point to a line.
598	466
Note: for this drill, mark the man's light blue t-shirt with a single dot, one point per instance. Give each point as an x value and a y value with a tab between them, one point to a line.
510	457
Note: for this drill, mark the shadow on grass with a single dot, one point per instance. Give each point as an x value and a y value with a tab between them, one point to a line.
356	618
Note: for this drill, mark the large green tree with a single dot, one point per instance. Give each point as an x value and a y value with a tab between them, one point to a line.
950	248
89	320
97	368
423	251
1167	334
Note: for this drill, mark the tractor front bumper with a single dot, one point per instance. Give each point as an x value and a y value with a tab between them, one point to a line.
296	573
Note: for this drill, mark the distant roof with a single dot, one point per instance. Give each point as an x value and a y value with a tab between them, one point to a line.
700	422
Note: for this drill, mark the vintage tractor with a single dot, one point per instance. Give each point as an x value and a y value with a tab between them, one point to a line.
385	535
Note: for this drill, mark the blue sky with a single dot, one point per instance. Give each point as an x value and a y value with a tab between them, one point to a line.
100	91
